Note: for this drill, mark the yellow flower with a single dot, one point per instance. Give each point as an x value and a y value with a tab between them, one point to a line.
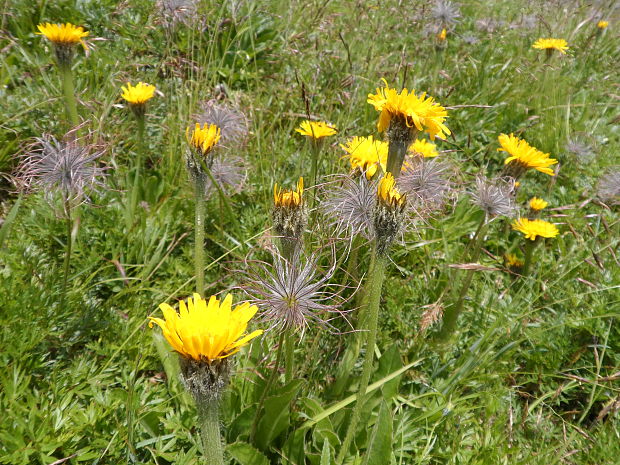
513	261
288	198
203	139
551	44
206	331
534	228
525	155
316	129
423	147
63	34
388	194
138	94
602	24
442	35
420	112
366	153
537	204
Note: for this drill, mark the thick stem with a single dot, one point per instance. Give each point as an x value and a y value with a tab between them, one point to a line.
272	377
208	413
375	284
67	263
314	174
452	313
66	76
199	236
529	253
289	356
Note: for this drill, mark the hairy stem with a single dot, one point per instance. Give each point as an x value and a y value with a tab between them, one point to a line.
67	263
529	253
289	356
208	414
66	76
199	236
375	284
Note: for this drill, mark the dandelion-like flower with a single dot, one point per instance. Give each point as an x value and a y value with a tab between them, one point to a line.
316	129
551	44
426	182
283	198
291	293
537	204
64	37
424	148
202	141
388	218
532	229
138	94
609	186
494	196
232	122
441	37
513	262
523	156
388	194
446	12
67	168
367	154
350	205
602	24
420	112
207	331
289	217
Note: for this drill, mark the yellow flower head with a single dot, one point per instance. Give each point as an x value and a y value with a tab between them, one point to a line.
442	35
203	139
602	24
551	44
388	194
367	154
513	261
316	129
525	155
423	147
289	198
63	34
206	331
537	204
419	111
532	229
138	94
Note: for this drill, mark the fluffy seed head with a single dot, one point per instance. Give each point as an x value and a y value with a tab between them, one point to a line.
446	12
350	205
232	122
579	148
609	186
426	182
228	172
67	168
494	196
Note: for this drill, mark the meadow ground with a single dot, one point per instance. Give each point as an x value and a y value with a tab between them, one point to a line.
530	373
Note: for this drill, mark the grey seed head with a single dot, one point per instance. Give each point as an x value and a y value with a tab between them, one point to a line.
231	122
494	196
177	11
349	205
580	149
608	189
426	181
229	172
446	12
62	167
470	39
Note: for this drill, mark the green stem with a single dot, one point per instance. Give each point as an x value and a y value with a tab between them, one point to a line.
67	263
141	123
314	173
272	377
135	193
375	284
199	236
289	356
529	253
66	76
452	313
208	413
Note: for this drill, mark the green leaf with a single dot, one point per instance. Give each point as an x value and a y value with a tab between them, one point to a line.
380	446
6	226
276	414
245	454
388	363
326	455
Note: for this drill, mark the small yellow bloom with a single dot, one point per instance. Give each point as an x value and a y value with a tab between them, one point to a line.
532	229
367	154
421	112
206	331
63	34
525	155
551	44
602	24
423	147
138	94
442	35
289	198
537	204
203	139
388	194
512	261
316	129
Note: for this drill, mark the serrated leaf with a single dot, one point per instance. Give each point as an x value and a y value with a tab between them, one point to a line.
246	454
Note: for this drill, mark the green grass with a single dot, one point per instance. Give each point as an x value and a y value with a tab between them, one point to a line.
531	376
